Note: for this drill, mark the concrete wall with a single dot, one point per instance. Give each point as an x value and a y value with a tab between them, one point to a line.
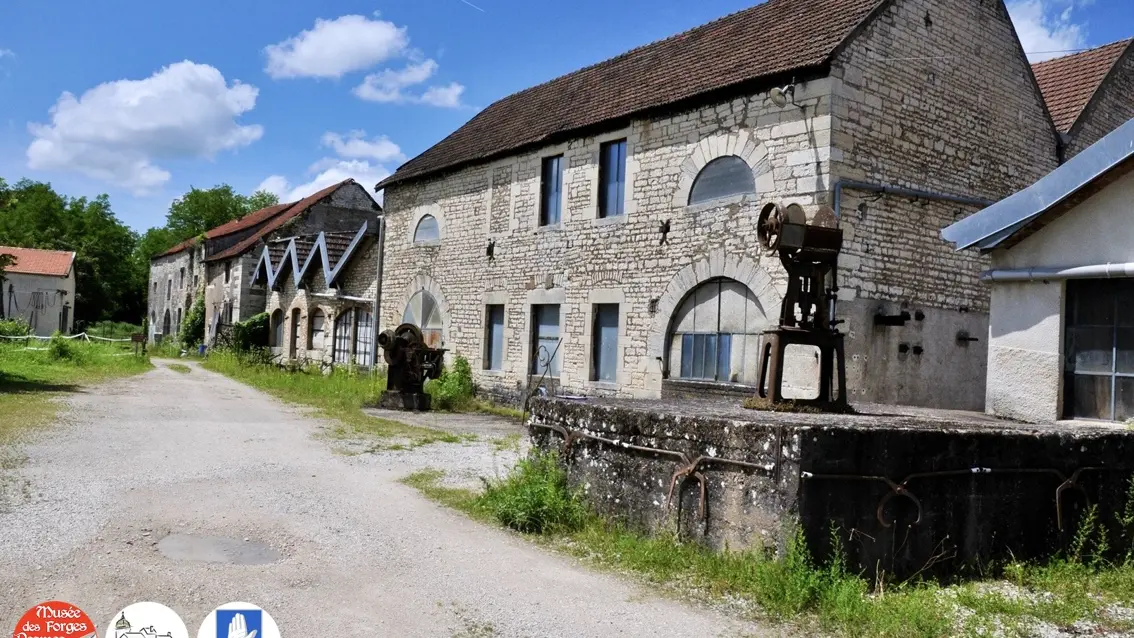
57	293
948	107
1111	107
1025	362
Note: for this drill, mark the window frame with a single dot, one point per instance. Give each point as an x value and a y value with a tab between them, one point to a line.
1076	289
555	364
227	270
546	197
716	201
417	229
597	357
311	331
607	189
490	342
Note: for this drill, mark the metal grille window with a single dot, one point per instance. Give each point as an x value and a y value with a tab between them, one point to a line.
612	179
545	340
726	176
494	337
604	346
363	336
427	230
424	312
343	324
716	333
551	191
315	333
1099	360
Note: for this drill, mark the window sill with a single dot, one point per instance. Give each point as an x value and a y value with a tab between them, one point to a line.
613	220
488	372
427	244
723	202
549	228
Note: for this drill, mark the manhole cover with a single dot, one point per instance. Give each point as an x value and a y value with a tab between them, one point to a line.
213	549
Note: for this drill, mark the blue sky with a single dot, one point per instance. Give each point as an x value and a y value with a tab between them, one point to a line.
143	99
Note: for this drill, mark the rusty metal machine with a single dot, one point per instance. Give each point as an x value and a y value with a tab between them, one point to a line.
810	256
411	362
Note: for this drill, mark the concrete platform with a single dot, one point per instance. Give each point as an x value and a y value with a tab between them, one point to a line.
908	490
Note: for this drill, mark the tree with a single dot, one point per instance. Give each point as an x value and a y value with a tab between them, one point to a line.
262	199
200	210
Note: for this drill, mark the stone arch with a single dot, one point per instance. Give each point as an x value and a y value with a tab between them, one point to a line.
431	210
427	283
717	265
720	144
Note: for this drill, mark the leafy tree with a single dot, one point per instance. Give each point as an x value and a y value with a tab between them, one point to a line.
199	210
262	199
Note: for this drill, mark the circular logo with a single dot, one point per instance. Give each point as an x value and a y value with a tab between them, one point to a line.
238	620
146	620
54	619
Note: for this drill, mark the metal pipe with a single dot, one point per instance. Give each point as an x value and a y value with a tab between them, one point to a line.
378	292
1108	271
326	295
903	192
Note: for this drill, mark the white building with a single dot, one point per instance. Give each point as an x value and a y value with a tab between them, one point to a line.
1061	330
39	288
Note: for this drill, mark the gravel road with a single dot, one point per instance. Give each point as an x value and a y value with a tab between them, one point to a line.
345	550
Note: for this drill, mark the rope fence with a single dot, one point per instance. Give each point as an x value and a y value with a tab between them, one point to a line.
81	335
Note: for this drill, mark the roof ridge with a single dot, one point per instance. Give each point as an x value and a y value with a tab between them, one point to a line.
1063	58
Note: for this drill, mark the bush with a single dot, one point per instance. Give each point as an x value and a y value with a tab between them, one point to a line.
60	349
114	329
535	498
193	327
251	334
454	389
16	327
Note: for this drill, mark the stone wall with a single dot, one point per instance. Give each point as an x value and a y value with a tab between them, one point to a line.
181	270
1111	107
246	300
764	472
935	97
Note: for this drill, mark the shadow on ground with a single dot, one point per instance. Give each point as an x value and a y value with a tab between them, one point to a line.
17	384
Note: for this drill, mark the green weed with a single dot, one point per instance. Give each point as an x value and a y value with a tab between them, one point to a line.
180	367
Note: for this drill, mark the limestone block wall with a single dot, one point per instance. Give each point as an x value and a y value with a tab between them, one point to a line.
247	300
1112	107
586	260
936	97
176	271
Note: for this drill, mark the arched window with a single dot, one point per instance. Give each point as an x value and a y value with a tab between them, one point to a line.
344	322
726	176
165	323
315	330
423	311
427	230
277	329
363	336
716	333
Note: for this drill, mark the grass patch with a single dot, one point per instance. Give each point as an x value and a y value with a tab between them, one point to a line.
180	367
488	407
338	396
790	586
508	443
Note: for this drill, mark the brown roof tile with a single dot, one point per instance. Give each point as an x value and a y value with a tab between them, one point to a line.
249	220
1069	82
33	261
282	216
776	37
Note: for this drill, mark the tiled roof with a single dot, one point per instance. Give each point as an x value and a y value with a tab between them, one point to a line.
770	39
1069	82
178	248
33	261
248	221
282	216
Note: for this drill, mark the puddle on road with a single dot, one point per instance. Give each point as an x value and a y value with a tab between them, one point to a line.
213	549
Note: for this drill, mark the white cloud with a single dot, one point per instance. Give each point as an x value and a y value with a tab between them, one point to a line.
1047	28
354	145
326	172
117	130
336	47
7	53
389	86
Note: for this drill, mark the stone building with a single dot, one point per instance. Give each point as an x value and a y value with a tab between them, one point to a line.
39	287
1089	94
175	281
1062	277
323	293
601	227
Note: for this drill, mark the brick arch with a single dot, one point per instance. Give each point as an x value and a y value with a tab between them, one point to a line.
424	282
718	264
721	144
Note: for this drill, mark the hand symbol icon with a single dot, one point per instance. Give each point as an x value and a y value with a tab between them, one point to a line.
238	628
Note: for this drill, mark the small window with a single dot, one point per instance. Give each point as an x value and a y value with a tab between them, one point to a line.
551	191
155	287
1099	361
277	329
612	179
604	346
196	280
227	271
315	332
726	176
168	289
177	325
494	337
427	230
181	279
545	340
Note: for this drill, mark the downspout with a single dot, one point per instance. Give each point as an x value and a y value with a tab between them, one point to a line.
902	192
1108	271
378	293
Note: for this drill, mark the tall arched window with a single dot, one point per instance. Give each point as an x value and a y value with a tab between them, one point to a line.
716	333
427	230
315	330
726	176
277	329
344	323
423	311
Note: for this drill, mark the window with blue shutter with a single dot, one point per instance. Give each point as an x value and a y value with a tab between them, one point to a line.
546	350
612	179
551	191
